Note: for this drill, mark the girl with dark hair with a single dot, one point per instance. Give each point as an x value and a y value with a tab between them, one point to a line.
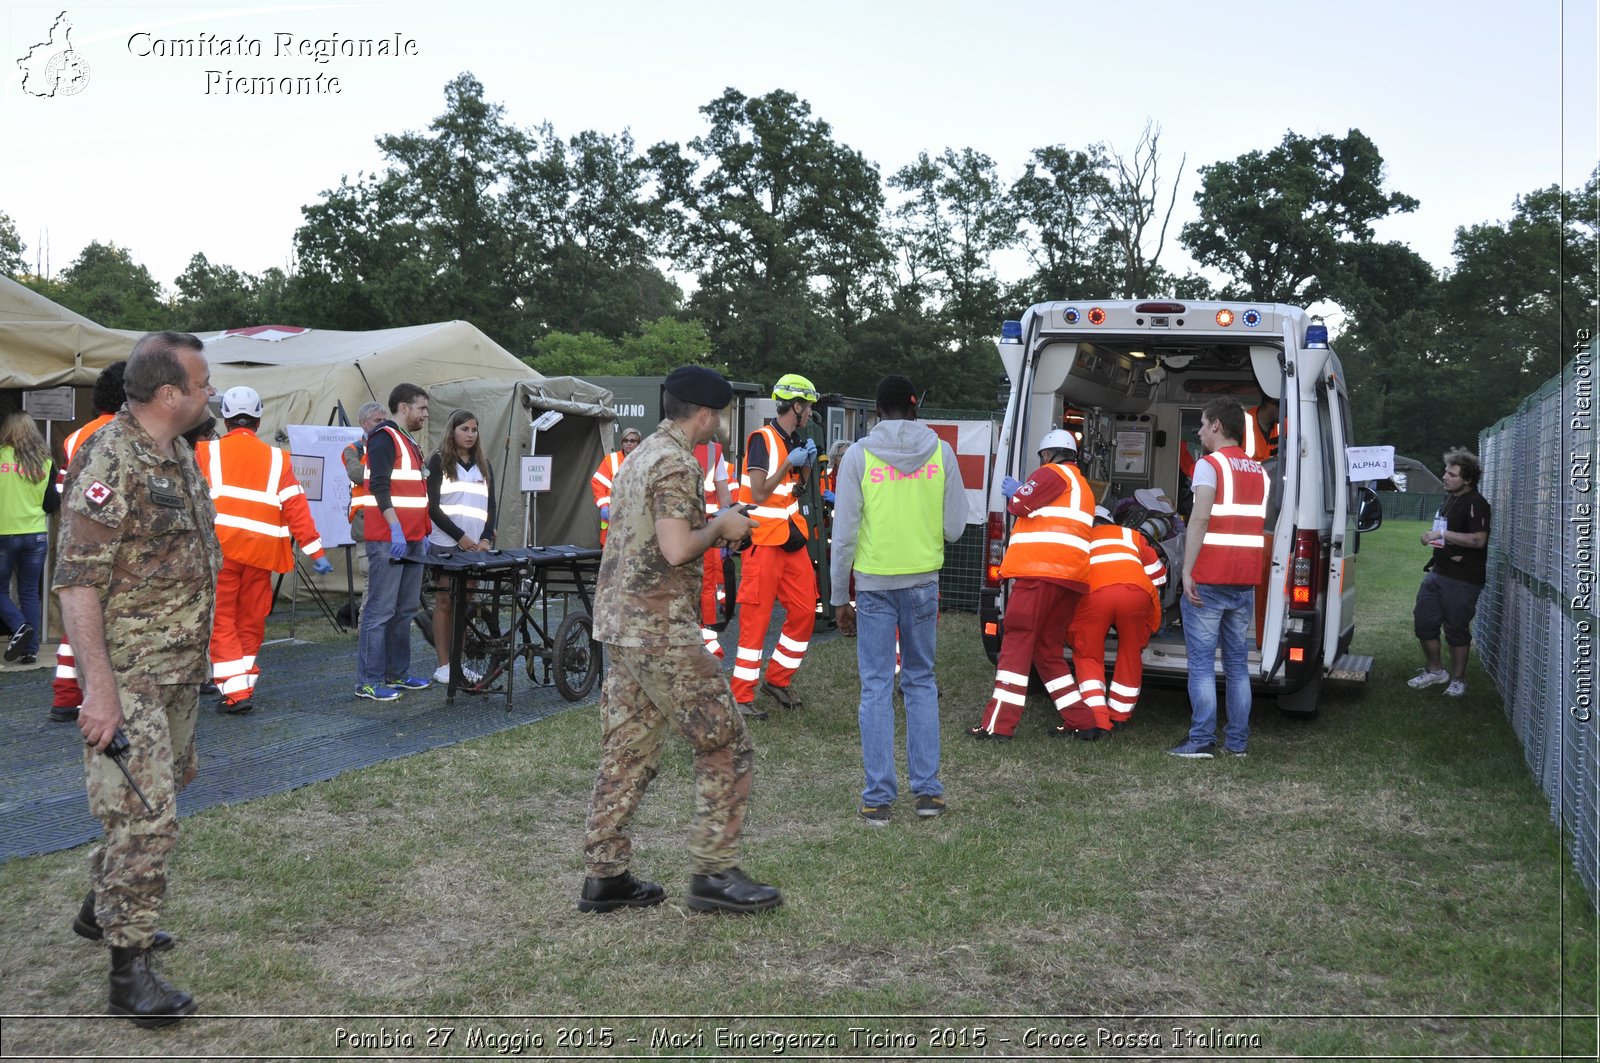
26	500
461	504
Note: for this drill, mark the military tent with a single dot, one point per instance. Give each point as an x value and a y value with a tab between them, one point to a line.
306	376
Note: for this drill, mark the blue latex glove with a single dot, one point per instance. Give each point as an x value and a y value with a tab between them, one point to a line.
1010	486
322	566
605	514
802	457
397	549
827	496
811	445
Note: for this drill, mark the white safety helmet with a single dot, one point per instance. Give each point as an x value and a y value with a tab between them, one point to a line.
240	400
1058	439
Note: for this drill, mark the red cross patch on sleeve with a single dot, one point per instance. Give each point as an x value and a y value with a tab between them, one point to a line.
98	493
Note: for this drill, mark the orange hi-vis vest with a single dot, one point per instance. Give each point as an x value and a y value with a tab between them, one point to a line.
1052	542
408	492
70	445
1231	552
600	482
709	455
360	497
782	505
259	502
1123	555
1258	446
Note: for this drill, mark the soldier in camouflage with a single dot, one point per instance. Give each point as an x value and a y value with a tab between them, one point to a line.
647	612
136	573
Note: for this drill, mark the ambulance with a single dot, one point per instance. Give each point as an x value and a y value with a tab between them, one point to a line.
1128	378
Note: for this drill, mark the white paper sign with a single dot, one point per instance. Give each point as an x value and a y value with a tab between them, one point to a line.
536	472
315	452
1369	463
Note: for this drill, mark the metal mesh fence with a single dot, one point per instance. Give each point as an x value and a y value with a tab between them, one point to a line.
1537	618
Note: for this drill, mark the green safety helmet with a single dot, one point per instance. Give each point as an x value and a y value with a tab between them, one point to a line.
794	386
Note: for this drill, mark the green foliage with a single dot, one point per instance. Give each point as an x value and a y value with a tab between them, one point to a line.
1056	202
476	219
1278	223
12	264
659	347
221	297
781	225
107	286
955	219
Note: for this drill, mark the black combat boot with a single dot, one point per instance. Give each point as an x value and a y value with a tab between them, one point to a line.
731	891
138	993
619	891
85	925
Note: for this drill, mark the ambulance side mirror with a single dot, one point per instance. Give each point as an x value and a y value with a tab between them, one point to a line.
1369	511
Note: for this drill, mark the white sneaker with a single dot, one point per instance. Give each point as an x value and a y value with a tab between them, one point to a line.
1425	679
1456	689
441	674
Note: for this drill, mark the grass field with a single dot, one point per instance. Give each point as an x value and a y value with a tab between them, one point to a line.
1382	880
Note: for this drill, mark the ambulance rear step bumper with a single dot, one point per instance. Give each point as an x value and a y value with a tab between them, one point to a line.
1351	669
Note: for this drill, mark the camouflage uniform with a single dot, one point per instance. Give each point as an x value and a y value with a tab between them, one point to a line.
647	612
140	528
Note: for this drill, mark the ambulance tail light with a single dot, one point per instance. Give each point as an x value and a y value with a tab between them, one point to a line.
994	548
1303	572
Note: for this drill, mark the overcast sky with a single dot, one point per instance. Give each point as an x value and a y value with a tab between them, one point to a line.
1471	103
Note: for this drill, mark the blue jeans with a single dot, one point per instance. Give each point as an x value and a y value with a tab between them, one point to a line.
394	592
914	613
25	555
1224	616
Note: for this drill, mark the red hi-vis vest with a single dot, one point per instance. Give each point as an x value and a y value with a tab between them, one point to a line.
1256	445
408	492
709	455
1052	542
259	502
1123	555
772	516
1231	552
70	445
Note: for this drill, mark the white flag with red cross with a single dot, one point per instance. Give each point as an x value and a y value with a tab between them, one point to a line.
974	444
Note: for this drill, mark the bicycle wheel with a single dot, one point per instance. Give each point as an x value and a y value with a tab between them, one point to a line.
489	640
575	656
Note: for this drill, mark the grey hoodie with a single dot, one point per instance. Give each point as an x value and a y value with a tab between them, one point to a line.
908	446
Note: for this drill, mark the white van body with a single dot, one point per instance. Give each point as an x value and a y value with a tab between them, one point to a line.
1129	377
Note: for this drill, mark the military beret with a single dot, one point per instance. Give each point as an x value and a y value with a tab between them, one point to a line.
699	385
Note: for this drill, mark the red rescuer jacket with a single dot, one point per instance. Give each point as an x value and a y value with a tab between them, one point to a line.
408	491
1230	553
259	502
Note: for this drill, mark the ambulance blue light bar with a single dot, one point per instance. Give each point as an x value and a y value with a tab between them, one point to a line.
1011	331
1316	335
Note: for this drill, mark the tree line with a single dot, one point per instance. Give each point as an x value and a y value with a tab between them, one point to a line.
806	257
